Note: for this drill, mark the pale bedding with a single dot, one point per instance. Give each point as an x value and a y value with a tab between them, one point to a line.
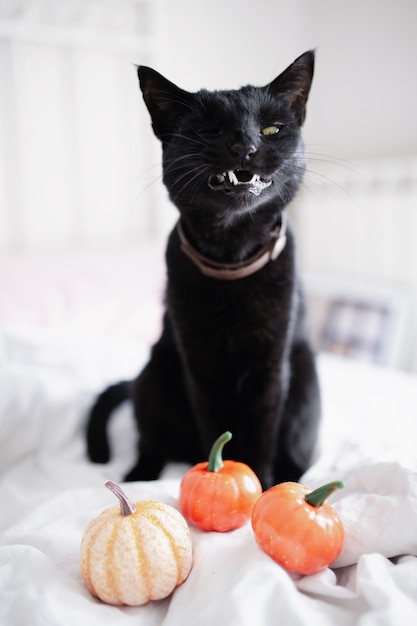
49	375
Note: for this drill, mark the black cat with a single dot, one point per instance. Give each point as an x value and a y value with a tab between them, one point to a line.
234	353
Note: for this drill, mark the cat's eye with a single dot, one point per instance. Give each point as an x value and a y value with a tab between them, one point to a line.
271	130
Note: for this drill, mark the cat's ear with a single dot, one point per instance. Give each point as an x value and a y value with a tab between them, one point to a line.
165	101
294	83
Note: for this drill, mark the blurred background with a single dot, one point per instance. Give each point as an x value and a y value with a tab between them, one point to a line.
80	180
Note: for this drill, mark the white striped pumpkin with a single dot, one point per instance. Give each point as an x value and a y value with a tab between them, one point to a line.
136	552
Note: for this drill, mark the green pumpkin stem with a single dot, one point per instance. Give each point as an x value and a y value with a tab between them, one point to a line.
215	461
320	495
126	506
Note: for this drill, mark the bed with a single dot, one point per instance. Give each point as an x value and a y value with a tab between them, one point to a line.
73	321
62	338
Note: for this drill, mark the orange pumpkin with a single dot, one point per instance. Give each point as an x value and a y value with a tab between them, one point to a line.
136	552
219	495
297	527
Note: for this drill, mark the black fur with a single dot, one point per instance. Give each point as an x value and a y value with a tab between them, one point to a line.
233	355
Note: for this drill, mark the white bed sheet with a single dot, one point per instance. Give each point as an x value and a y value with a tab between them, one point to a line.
49	492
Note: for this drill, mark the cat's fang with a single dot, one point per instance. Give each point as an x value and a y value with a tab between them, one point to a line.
242	178
238	180
232	177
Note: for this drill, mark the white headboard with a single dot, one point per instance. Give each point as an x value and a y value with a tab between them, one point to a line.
356	222
77	157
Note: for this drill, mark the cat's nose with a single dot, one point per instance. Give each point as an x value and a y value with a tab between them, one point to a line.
243	150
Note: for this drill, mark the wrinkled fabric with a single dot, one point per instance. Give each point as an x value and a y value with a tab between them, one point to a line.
49	492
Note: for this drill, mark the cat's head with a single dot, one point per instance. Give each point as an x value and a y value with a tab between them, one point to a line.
232	151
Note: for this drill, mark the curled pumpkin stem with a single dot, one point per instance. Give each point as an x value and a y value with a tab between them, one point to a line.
320	495
126	506
215	460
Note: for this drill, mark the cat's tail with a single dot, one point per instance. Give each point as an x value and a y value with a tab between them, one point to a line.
97	442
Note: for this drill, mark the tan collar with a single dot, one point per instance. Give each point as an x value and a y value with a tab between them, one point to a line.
232	271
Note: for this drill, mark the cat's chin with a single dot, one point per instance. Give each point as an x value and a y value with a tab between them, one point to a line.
238	181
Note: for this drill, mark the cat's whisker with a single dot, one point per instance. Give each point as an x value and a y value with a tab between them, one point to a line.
179	161
200	141
189	174
144	173
189	184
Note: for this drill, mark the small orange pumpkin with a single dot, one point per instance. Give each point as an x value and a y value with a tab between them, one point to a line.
219	495
297	527
136	552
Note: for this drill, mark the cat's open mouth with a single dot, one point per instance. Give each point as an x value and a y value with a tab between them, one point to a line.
238	180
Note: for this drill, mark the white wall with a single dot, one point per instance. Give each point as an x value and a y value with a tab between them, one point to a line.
364	95
76	153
